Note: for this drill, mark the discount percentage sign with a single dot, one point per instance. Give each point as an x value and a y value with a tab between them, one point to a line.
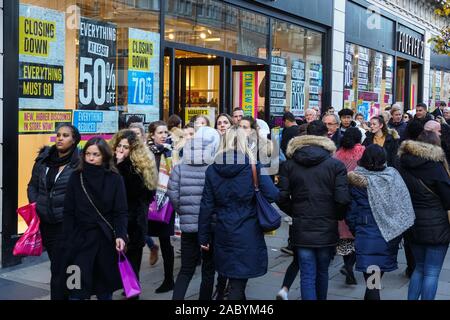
111	78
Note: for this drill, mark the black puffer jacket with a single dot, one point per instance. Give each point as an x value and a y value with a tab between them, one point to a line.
49	205
314	191
422	169
390	145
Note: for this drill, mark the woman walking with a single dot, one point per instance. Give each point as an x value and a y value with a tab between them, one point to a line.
137	167
425	171
185	191
387	138
158	134
376	217
95	222
47	187
349	153
240	251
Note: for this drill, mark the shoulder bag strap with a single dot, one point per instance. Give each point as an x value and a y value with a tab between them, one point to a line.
255	177
428	188
95	207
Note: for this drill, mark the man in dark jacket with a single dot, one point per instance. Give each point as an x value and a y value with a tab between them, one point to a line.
314	192
422	113
439	112
290	130
333	128
396	122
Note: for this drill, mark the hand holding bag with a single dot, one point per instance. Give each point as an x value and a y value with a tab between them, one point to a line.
129	280
268	217
161	208
30	243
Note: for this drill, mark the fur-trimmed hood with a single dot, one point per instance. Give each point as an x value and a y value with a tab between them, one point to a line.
310	150
357	180
308	140
421	150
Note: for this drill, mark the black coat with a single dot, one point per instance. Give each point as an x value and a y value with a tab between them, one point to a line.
88	240
427	118
391	145
138	199
314	191
49	205
287	135
400	127
422	169
337	138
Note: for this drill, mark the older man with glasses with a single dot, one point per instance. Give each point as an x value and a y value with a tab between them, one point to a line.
334	132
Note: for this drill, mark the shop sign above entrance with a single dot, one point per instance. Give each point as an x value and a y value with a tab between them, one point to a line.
410	45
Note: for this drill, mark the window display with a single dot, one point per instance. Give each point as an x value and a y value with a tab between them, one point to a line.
368	80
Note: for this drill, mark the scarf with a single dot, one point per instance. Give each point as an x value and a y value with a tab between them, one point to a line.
94	180
385	189
54	162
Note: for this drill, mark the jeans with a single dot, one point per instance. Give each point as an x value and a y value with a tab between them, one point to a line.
237	289
314	263
424	280
190	254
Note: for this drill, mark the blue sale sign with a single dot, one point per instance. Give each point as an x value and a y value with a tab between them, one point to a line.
140	88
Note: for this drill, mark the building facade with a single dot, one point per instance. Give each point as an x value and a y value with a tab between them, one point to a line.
95	63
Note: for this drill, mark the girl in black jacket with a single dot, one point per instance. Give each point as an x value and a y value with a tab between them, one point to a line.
137	166
47	187
95	222
387	138
425	171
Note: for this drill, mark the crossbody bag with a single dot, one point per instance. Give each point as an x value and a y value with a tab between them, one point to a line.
95	207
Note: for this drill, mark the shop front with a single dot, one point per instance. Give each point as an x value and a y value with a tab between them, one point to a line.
439	80
96	63
384	60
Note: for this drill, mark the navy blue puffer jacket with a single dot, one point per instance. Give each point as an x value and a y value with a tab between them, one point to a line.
371	248
240	250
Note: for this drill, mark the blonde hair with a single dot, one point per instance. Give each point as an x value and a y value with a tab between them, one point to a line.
235	139
142	159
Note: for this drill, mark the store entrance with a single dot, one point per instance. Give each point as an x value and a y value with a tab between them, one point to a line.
408	91
202	84
197	85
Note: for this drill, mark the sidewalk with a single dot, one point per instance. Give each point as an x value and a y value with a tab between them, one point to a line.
31	279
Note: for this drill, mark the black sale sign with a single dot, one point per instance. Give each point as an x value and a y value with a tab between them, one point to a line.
97	65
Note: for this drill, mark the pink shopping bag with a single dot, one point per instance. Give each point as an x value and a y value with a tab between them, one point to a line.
30	243
130	282
163	214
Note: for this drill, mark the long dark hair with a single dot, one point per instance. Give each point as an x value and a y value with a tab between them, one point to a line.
105	150
380	120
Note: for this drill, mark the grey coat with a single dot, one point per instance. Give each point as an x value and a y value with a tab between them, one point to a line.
185	191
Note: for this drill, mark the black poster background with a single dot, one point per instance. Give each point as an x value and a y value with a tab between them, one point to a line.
109	87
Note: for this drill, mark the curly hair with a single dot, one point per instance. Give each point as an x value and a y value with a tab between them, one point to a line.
142	159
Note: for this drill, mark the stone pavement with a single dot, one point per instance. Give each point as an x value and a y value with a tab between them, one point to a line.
30	280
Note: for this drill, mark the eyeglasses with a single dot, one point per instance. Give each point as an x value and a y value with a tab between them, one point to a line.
328	124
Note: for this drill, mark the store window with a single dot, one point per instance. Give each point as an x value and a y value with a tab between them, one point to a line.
296	70
368	80
439	88
216	25
91	63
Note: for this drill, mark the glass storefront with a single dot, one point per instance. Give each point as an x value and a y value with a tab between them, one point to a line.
296	70
368	80
95	63
439	89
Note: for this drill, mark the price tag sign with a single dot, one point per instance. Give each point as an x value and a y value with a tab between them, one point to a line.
97	69
140	88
